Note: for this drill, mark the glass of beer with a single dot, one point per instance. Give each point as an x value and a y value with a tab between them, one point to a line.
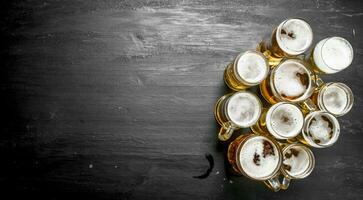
246	70
331	55
298	162
290	81
236	110
291	38
282	120
321	129
335	98
256	157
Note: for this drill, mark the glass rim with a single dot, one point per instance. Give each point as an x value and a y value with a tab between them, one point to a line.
348	92
270	139
279	35
239	77
308	170
336	130
252	121
273	86
340	38
271	111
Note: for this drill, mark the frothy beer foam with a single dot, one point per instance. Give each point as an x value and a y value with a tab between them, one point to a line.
284	120
244	109
291	79
333	54
321	129
259	157
294	36
335	99
296	161
252	67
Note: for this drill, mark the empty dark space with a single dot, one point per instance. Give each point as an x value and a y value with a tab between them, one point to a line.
114	99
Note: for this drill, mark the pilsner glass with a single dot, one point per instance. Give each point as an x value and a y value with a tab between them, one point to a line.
291	38
236	110
257	157
246	70
298	162
331	55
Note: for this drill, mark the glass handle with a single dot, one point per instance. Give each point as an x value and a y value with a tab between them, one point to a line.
274	184
309	105
285	183
318	82
225	132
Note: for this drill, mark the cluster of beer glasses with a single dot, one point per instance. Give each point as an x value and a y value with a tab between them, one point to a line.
302	109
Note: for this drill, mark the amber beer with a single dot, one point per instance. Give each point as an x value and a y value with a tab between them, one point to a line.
246	70
282	120
236	110
321	129
291	81
331	55
291	38
257	157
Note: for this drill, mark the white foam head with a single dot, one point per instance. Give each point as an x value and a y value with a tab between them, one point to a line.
291	80
294	36
333	54
323	129
297	161
244	109
252	67
337	98
284	120
259	157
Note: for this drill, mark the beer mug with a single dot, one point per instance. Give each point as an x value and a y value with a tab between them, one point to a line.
290	81
335	98
331	55
257	157
298	162
246	70
321	129
291	38
282	120
236	110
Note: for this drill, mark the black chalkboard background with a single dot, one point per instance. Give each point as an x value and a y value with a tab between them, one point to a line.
114	99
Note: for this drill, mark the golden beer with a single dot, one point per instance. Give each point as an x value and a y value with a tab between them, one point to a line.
246	70
331	55
236	110
291	38
257	157
290	81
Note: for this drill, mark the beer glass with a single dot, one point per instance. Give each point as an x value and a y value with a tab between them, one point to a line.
321	129
291	38
236	110
290	81
335	98
282	120
331	55
298	162
257	157
246	70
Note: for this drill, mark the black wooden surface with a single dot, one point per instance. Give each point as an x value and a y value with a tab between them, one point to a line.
114	99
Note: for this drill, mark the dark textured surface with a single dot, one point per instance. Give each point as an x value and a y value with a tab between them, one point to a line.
114	99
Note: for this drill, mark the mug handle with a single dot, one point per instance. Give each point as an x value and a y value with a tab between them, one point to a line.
273	183
285	183
309	105
225	132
